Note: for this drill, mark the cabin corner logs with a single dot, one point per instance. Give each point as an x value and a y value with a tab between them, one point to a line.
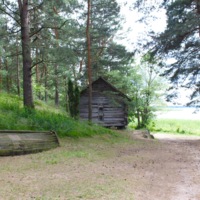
109	107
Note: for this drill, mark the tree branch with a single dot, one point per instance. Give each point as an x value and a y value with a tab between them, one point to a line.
36	6
7	13
37	63
20	5
14	54
49	27
9	33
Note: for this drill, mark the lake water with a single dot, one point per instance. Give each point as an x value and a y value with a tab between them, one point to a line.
179	112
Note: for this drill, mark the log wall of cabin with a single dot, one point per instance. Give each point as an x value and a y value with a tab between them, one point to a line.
106	110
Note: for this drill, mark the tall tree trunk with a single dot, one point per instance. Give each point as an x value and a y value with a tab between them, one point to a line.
26	53
37	72
89	67
66	92
56	86
138	119
18	74
56	66
45	83
37	67
7	77
0	75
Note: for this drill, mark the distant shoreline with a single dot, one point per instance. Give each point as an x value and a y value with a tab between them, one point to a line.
179	112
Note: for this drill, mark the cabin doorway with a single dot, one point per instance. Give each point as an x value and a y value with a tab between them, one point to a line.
101	112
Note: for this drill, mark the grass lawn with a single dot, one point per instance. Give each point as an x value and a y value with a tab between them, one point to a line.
178	126
84	168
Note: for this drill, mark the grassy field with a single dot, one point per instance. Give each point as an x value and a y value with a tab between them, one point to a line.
45	117
178	120
178	126
103	165
82	168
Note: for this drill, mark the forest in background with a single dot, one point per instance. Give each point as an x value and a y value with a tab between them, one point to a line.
45	44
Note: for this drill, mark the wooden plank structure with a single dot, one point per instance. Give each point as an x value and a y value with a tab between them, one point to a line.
109	105
23	142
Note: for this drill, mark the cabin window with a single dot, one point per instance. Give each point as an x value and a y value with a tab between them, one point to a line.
100	113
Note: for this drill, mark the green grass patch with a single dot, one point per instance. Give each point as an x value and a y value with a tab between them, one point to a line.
14	117
178	126
82	168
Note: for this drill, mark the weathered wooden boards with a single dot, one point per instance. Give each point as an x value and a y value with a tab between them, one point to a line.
24	142
109	107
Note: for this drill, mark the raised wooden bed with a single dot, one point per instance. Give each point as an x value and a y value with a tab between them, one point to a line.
24	142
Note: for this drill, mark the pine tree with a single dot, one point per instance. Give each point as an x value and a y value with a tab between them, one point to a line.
71	97
76	102
181	40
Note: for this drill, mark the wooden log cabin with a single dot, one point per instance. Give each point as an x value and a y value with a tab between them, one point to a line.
109	107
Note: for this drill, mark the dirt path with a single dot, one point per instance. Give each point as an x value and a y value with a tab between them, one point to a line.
177	173
106	168
182	165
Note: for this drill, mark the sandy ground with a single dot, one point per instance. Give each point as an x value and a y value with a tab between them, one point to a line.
167	168
181	166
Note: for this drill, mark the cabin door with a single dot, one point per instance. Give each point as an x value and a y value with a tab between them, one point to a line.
100	112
